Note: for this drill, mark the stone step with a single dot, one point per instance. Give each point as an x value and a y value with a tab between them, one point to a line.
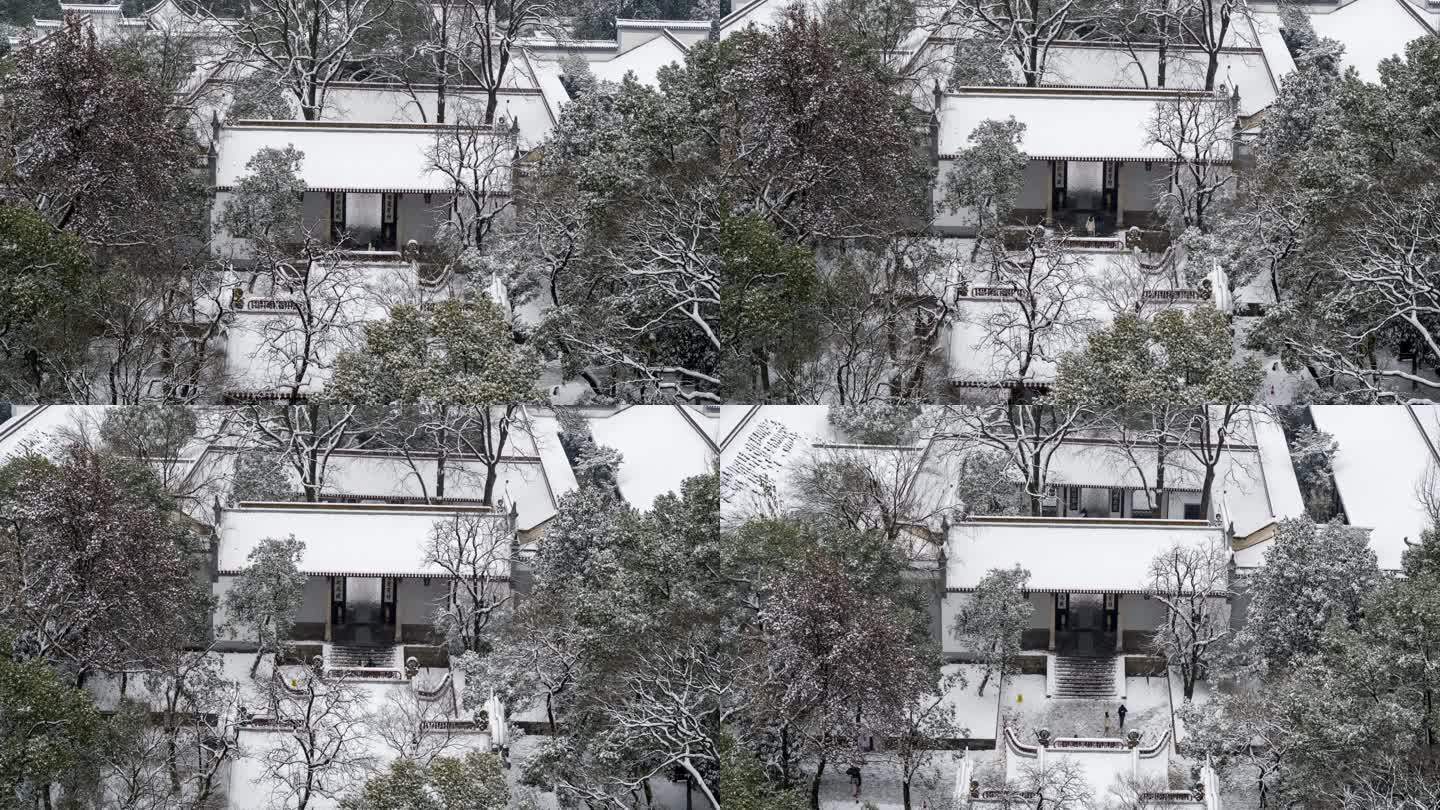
1084	678
343	656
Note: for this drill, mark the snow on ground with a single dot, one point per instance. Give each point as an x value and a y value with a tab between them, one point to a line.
880	784
973	712
1024	701
1279	386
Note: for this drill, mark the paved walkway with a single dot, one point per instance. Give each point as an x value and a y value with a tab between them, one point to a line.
880	785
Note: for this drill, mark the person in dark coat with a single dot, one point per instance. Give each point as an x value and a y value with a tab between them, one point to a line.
1121	712
854	773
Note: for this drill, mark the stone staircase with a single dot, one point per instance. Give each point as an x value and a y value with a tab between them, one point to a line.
1084	678
348	656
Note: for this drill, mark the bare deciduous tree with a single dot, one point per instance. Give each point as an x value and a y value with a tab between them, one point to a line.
1039	306
478	160
414	728
321	743
487	42
474	550
1192	583
1027	28
305	45
1196	131
1027	435
304	437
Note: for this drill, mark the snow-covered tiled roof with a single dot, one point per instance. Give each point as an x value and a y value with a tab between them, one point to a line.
1074	555
379	103
44	428
1276	472
732	419
760	13
660	446
1072	124
1098	65
341	156
762	445
553	462
34	428
340	540
1381	462
1108	465
1371	30
519	480
644	61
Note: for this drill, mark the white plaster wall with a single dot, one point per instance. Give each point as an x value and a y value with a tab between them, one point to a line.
1140	188
314	607
416	601
1036	193
1043	604
418	218
315	213
953	603
1176	503
218	589
631	37
314	216
1139	613
222	243
949	606
1095	502
362	217
316	604
945	218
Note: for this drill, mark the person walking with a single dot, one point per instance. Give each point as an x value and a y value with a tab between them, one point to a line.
1107	722
1121	712
854	773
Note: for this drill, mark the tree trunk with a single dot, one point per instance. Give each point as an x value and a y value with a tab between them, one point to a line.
1164	49
815	785
697	779
490	481
440	455
491	103
1160	451
442	76
1205	490
785	757
1035	505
